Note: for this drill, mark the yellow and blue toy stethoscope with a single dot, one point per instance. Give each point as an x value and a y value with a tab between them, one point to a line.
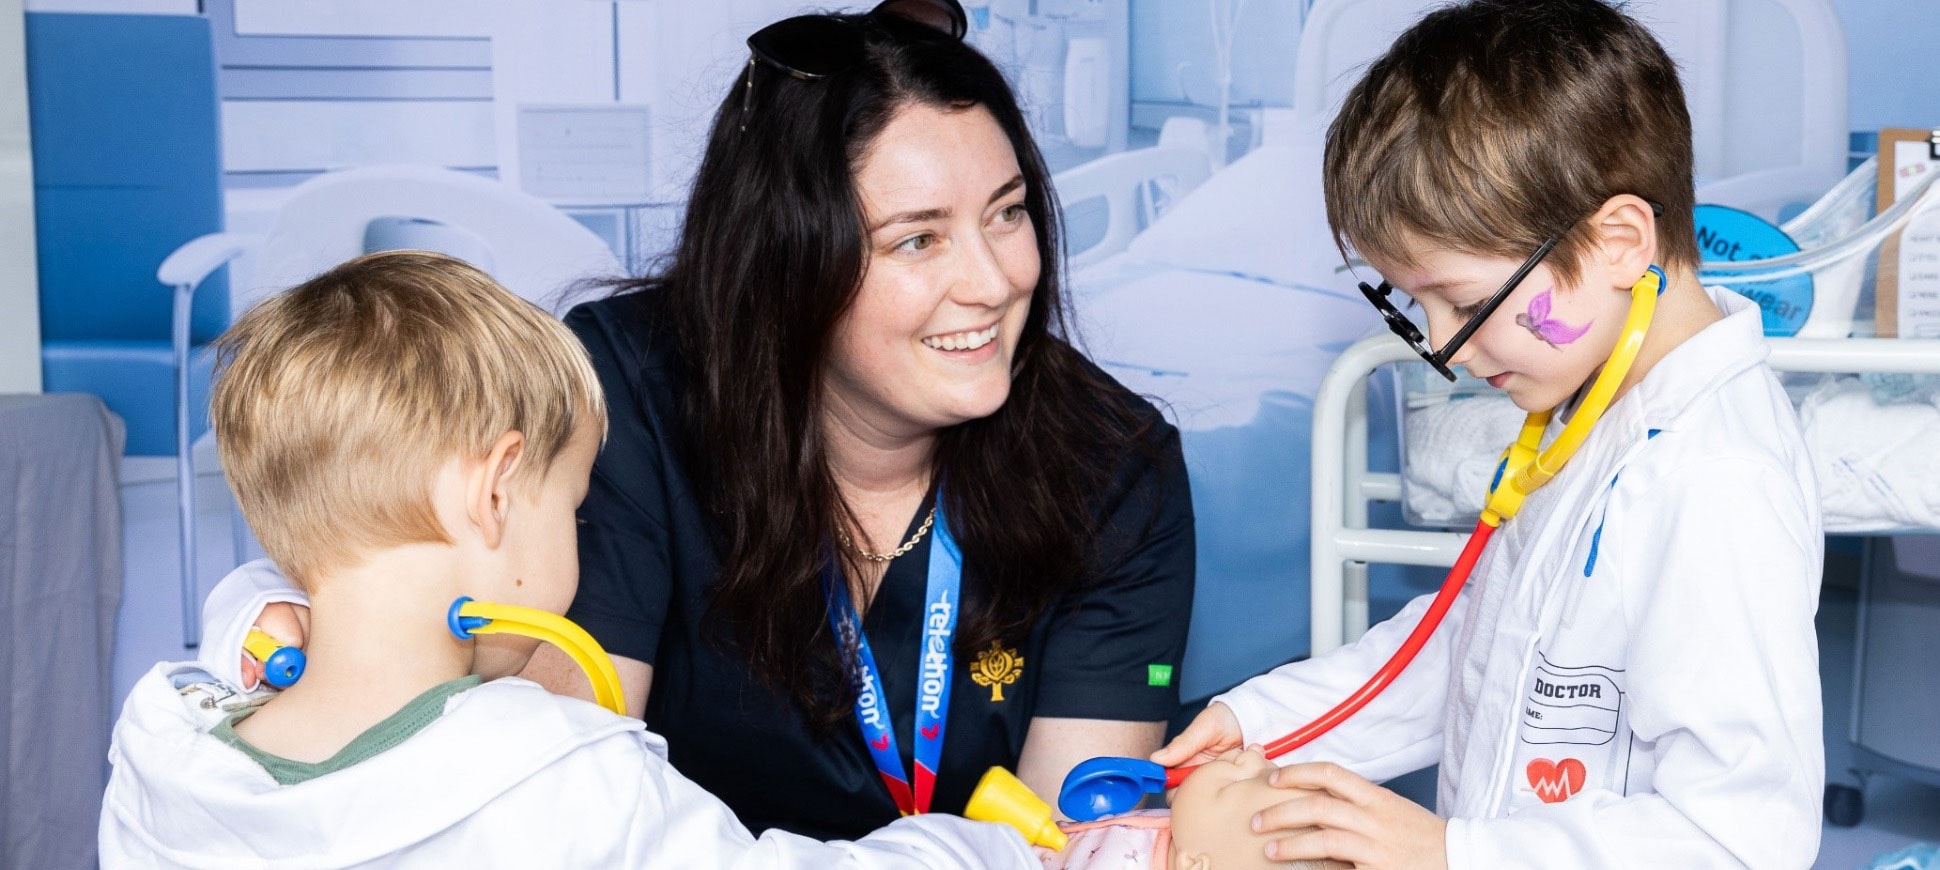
467	618
283	665
1105	786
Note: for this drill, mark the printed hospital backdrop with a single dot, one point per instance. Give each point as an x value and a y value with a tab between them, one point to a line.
1184	135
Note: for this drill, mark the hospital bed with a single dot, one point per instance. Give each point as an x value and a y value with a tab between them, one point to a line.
1343	487
1229	325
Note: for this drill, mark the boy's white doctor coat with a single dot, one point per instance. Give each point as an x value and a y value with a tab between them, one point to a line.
1630	678
510	776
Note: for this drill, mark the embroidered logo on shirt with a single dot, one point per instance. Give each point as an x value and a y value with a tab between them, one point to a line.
1555	781
997	667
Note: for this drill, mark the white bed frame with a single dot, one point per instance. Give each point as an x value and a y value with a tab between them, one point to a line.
1343	486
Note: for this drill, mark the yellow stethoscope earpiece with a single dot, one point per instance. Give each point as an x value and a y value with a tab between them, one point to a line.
1523	469
467	618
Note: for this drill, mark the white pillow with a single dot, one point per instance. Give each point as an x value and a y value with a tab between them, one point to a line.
1262	217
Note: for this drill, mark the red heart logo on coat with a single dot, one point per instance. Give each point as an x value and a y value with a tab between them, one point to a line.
931	732
880	743
1555	781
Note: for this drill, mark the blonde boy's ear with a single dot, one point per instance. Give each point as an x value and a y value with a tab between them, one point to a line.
488	492
1626	232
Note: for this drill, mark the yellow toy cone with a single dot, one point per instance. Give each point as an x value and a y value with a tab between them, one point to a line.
1001	797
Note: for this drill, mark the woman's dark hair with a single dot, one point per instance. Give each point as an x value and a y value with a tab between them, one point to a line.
771	255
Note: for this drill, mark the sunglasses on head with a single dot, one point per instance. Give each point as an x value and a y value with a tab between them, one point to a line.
814	47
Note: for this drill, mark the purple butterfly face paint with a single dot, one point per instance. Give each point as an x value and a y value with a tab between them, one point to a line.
1554	333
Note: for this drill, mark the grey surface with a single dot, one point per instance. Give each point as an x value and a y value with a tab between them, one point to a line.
1899	812
1896	710
60	583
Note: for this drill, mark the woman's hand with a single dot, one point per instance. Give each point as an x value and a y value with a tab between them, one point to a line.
283	620
1352	820
1214	732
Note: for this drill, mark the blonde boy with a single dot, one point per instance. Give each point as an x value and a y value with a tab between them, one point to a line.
400	432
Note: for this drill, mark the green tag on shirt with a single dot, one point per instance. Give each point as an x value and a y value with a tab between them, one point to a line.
1158	675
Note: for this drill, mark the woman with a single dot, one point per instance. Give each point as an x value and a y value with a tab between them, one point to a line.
846	395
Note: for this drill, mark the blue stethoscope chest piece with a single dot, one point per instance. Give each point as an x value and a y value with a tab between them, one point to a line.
1100	787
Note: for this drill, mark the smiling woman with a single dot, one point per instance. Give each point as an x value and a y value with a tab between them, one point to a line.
865	523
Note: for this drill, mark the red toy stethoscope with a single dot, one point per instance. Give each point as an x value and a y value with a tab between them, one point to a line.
1103	786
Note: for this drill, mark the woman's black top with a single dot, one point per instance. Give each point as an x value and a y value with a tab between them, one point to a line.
647	568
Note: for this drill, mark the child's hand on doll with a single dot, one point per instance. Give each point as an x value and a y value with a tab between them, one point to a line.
1351	819
1213	733
283	620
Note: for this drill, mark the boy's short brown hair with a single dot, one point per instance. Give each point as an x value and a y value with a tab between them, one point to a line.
338	400
1492	125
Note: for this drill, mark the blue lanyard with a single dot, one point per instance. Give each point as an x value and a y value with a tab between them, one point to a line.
933	672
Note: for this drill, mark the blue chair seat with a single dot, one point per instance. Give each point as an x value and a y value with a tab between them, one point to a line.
137	381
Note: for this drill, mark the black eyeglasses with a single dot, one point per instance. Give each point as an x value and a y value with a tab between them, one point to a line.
1408	332
814	47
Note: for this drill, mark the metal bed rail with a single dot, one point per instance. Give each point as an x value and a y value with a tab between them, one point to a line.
1343	545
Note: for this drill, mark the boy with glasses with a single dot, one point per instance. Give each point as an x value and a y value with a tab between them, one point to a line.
1629	678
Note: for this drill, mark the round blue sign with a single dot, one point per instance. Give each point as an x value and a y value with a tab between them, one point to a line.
1729	235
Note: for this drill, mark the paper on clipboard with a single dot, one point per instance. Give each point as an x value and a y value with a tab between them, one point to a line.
1907	293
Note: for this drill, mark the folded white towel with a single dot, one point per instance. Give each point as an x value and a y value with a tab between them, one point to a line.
1452	451
1878	465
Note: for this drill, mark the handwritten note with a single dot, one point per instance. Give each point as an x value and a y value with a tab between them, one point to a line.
1919	278
1908	290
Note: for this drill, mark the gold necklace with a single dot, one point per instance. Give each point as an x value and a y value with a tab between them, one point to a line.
843	536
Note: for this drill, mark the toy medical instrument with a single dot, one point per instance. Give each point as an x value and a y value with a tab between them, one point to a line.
1103	786
1001	797
467	618
282	664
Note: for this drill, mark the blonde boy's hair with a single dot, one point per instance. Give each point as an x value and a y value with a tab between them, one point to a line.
337	401
1492	125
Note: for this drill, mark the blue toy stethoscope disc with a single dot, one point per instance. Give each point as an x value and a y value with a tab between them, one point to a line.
1100	787
285	667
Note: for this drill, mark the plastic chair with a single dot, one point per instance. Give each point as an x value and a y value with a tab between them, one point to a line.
532	248
1765	82
126	168
535	250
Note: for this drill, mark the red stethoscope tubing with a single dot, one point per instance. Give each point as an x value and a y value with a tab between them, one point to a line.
1530	471
1430	621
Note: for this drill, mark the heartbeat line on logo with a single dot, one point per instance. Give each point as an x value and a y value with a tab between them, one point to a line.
1552	790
